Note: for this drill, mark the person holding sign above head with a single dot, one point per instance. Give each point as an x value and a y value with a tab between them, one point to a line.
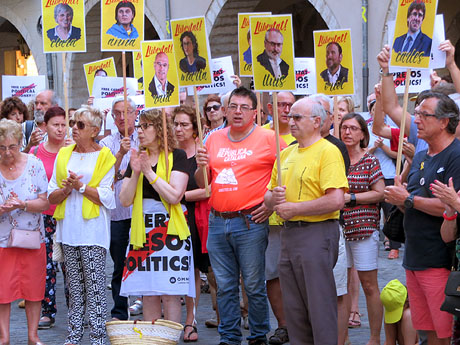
160	86
192	62
270	59
414	39
63	15
335	72
124	15
100	73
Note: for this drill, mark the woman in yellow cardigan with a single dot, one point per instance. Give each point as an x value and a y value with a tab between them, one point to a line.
81	186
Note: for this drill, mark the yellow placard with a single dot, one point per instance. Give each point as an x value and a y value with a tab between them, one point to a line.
192	52
137	64
161	82
334	62
103	68
63	26
244	42
272	53
122	25
412	42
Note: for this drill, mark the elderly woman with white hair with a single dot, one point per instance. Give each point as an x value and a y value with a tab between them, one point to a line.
63	15
81	187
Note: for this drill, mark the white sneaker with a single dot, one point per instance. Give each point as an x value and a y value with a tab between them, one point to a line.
136	308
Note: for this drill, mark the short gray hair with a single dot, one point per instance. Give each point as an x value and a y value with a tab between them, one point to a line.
10	129
317	110
62	8
322	97
130	101
93	115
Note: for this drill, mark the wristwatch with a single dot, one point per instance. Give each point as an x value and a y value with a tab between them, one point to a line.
82	188
409	202
352	202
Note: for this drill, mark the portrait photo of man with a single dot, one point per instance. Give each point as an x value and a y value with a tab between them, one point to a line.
124	16
335	72
64	30
414	39
160	86
270	58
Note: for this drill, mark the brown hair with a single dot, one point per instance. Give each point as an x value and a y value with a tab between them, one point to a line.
187	110
154	116
211	98
11	103
363	143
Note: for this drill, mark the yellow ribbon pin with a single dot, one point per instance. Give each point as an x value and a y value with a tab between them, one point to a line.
363	14
138	331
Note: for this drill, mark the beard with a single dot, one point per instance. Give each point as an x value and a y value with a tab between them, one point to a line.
39	116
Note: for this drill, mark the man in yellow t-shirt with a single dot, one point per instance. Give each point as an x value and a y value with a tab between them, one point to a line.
313	183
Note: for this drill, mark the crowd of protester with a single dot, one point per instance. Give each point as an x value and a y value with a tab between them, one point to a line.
300	236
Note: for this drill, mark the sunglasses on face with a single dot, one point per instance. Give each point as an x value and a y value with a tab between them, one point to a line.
215	107
80	125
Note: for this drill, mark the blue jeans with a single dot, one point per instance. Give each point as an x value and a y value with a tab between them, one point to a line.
233	248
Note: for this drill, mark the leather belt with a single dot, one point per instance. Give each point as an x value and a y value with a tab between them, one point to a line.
235	214
301	223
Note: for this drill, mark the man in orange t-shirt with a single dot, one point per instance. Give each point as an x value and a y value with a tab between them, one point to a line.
238	160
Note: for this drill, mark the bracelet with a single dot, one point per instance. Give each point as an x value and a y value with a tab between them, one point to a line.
446	217
25	207
386	74
155	180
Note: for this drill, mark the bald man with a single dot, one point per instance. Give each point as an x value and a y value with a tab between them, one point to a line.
160	86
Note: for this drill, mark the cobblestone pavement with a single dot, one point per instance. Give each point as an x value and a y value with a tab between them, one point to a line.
388	270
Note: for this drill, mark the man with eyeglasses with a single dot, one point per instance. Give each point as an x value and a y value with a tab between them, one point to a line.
427	258
160	86
270	58
313	183
414	40
120	222
238	160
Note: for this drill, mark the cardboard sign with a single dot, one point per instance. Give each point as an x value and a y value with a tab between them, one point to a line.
244	42
419	80
305	76
137	66
160	74
273	53
122	25
24	87
192	51
412	44
104	87
334	62
101	68
63	26
222	69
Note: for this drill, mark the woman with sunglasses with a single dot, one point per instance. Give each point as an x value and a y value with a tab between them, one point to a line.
81	187
213	113
361	215
160	260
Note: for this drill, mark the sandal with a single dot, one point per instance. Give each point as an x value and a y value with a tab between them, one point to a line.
386	245
194	331
352	322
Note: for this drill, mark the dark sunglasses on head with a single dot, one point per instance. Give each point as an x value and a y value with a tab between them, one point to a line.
215	107
71	123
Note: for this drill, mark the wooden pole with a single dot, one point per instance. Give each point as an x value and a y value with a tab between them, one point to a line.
277	135
336	118
125	94
259	105
200	136
165	140
403	123
66	95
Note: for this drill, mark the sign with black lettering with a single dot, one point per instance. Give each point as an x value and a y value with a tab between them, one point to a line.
419	80
113	86
24	87
305	76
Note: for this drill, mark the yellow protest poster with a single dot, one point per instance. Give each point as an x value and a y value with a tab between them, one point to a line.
193	58
161	82
99	68
413	33
334	62
122	25
137	64
244	42
63	26
272	53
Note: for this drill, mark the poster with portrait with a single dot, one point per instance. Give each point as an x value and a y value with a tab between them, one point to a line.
24	87
99	68
272	53
137	67
63	26
334	62
244	42
305	76
192	51
160	74
413	34
122	25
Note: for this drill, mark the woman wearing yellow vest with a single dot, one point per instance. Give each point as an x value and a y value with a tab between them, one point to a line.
81	186
159	263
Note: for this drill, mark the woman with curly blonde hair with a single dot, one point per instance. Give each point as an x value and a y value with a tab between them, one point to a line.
159	264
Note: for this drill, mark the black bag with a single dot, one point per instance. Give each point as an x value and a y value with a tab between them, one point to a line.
394	228
451	303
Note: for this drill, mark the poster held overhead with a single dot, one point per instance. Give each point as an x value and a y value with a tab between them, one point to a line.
99	68
137	67
24	87
305	76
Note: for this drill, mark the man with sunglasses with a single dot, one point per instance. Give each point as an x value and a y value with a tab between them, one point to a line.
270	58
120	222
414	40
238	161
313	183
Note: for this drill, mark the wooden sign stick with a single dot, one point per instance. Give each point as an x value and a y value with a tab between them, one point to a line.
336	119
277	135
66	95
200	136
403	123
125	94
259	105
165	139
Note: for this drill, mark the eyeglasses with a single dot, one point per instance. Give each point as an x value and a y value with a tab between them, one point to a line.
283	105
182	124
116	114
244	107
71	123
298	117
215	107
423	115
13	147
417	14
143	126
274	44
351	128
